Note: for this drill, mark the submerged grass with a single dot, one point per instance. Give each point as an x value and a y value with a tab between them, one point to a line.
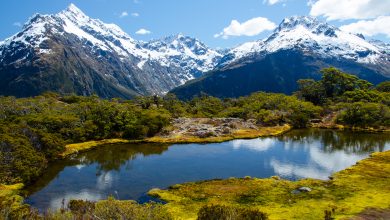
348	193
80	147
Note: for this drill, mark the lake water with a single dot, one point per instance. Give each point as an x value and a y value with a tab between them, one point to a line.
128	171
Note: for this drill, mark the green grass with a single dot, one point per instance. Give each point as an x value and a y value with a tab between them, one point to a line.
349	193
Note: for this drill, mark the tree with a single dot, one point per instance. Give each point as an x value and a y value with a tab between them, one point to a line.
312	91
383	87
336	82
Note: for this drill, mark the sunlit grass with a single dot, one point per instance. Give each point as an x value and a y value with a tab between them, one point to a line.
79	147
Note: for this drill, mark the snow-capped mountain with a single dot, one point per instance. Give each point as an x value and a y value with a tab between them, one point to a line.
298	48
313	36
69	52
189	53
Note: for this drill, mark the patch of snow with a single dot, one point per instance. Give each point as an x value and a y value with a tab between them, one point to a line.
141	64
44	51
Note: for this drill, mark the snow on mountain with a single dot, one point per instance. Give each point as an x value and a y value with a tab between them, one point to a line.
312	36
186	52
178	51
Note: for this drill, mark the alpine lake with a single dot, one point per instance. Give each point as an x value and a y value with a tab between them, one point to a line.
129	171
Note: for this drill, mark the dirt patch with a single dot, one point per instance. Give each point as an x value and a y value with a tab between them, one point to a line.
373	214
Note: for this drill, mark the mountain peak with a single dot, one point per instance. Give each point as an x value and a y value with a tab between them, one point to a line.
294	21
312	24
72	11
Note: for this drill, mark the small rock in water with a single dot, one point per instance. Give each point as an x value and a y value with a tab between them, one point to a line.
304	189
301	189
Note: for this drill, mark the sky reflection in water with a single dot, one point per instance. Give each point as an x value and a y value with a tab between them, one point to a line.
129	171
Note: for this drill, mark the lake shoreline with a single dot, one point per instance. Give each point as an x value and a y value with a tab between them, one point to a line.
182	138
230	182
175	137
351	192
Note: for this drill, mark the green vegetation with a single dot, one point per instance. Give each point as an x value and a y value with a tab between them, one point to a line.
347	194
11	204
37	130
384	87
34	131
356	101
217	212
12	208
111	209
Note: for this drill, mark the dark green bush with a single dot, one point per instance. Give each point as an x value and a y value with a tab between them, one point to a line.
383	87
222	212
365	114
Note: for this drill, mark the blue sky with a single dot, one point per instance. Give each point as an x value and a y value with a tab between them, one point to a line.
206	19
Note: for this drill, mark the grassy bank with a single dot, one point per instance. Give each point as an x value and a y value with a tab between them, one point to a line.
352	128
349	193
11	203
89	145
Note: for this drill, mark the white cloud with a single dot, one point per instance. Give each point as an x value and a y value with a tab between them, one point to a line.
349	9
255	144
310	2
143	31
124	14
380	25
272	2
251	27
135	14
17	24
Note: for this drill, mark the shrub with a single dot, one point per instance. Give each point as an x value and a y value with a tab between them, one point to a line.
365	114
383	87
222	212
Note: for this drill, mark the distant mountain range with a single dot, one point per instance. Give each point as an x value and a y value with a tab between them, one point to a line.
69	52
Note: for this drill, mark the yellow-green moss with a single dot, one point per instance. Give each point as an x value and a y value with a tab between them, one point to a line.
238	134
349	193
9	196
8	190
79	147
